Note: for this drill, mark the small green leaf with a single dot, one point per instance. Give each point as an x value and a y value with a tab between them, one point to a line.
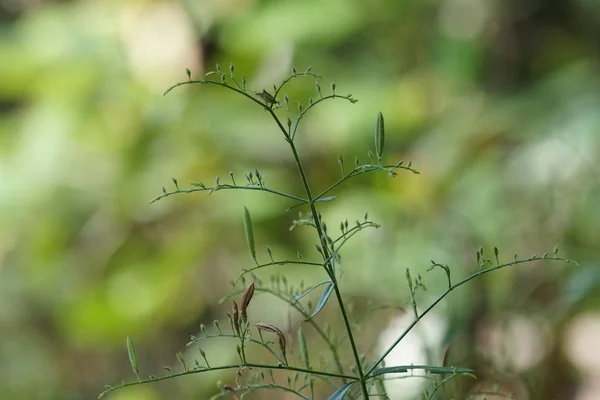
133	357
341	392
310	289
430	369
379	136
325	199
322	301
249	233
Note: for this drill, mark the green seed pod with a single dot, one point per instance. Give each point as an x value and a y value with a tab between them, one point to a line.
379	136
303	348
181	359
189	73
133	357
249	233
409	280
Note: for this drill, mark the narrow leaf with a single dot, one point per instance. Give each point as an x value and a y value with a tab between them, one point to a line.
322	301
249	233
430	369
325	199
310	289
341	392
133	357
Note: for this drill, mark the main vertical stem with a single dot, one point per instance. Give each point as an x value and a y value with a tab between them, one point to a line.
330	271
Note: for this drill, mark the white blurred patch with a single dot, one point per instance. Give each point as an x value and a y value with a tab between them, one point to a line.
159	41
517	343
422	345
582	346
275	67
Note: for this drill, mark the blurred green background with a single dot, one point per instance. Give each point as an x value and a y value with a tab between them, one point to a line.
497	103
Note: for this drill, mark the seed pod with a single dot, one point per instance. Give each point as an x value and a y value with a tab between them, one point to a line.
249	233
246	301
273	329
379	136
133	357
189	73
303	348
181	359
409	280
236	318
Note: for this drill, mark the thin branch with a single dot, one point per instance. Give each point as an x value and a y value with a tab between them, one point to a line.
363	169
228	187
285	262
450	289
196	370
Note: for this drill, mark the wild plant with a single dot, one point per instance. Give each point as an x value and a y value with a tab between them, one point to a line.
363	376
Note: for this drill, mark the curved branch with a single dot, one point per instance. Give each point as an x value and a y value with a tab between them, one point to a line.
450	289
228	187
363	169
196	370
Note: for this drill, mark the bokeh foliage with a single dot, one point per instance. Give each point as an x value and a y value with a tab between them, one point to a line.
495	102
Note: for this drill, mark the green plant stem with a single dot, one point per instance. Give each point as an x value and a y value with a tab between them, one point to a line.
306	315
231	366
330	344
284	262
227	335
326	256
447	292
229	187
361	170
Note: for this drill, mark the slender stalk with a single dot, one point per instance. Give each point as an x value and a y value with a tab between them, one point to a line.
195	370
326	256
226	187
